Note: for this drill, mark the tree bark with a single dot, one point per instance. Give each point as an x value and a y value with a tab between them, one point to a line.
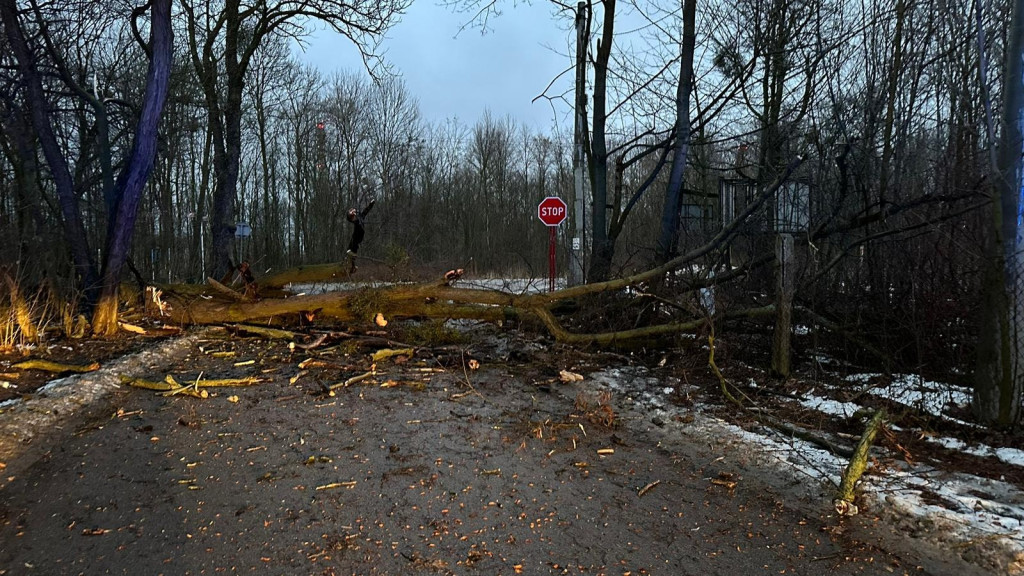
74	228
137	171
999	384
668	241
603	248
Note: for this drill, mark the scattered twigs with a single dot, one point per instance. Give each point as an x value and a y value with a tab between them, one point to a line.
227	382
272	333
648	488
332	485
316	343
353	380
145	384
853	338
317	363
465	374
56	367
171	387
725	481
188	389
718	373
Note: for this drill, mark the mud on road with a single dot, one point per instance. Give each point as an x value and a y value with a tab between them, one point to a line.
500	470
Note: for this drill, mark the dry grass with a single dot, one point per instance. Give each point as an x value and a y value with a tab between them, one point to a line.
25	320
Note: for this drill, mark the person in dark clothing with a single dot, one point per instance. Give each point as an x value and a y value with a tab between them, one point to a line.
359	232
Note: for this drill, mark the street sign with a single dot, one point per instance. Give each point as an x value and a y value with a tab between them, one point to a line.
242	230
552	211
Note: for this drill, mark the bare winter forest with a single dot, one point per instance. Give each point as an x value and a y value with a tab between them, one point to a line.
768	166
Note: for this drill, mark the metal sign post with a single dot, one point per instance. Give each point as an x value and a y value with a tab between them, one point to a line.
552	212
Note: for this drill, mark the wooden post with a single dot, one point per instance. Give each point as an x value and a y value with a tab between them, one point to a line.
785	286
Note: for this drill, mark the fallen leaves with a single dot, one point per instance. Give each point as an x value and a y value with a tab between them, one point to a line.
569	377
725	480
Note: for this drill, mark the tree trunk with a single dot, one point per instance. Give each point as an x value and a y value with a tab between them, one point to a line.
668	241
603	248
74	228
895	71
138	168
1000	374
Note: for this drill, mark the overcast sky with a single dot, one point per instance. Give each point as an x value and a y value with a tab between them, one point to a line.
460	74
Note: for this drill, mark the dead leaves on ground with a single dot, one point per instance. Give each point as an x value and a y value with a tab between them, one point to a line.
596	408
330	356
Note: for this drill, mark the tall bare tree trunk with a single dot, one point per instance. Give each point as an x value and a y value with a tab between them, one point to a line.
999	382
603	248
140	164
670	215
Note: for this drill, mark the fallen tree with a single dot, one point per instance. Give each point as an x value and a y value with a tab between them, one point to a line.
219	304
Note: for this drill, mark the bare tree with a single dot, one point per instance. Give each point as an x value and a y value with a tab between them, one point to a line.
222	42
1000	370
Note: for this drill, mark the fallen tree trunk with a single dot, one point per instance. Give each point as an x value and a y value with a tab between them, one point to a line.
432	300
440	300
330	272
428	300
858	464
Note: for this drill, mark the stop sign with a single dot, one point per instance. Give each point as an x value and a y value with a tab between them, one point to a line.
552	210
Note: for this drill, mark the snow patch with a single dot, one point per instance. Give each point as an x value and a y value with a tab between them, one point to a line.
954	508
829	406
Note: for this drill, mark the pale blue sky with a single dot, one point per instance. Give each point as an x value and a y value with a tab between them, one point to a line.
460	74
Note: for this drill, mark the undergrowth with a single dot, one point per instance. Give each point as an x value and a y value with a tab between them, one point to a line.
432	333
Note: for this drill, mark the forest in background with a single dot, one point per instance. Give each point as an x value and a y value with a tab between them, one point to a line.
865	131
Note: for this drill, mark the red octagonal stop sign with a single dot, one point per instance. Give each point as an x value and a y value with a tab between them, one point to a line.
552	211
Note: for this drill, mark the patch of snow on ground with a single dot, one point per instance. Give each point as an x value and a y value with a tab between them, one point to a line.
912	390
972	508
829	406
1008	455
862	378
958	509
925	395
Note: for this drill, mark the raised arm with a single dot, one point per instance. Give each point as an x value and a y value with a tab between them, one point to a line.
367	209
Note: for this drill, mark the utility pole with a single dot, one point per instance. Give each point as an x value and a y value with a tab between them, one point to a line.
579	232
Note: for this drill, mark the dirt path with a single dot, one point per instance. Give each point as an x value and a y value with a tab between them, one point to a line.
428	476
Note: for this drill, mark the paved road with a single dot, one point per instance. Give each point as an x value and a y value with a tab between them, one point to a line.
429	476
